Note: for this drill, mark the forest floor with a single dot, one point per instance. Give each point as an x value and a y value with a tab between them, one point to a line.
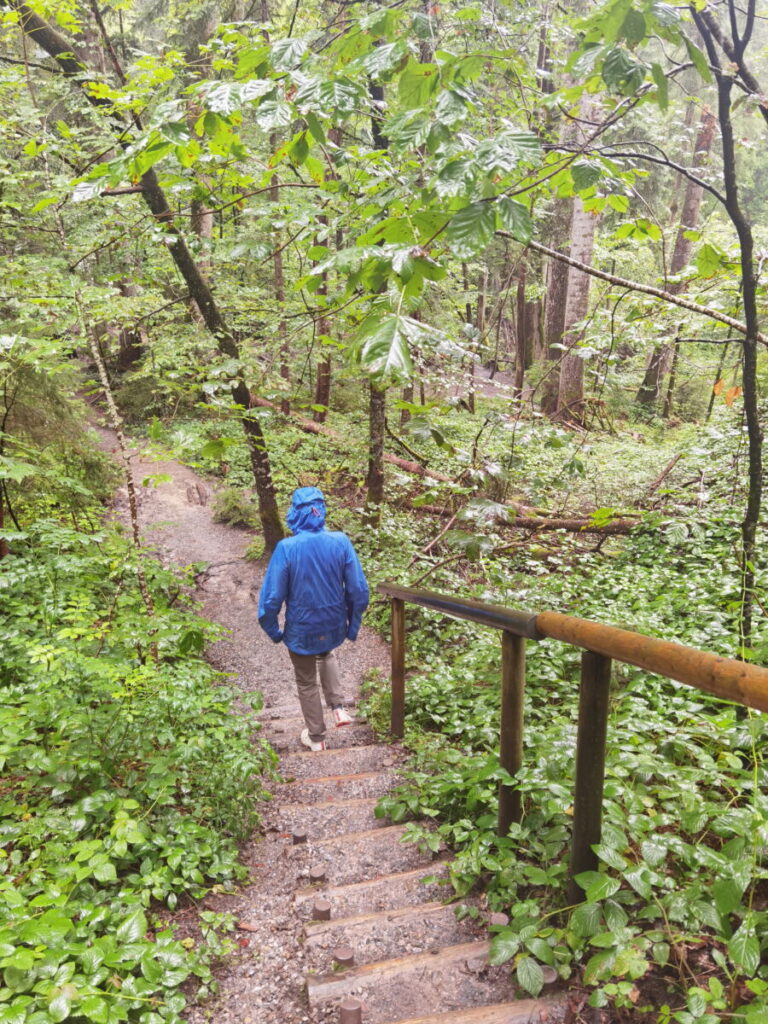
263	981
377	887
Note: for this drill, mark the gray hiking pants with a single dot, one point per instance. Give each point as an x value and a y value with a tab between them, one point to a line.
306	668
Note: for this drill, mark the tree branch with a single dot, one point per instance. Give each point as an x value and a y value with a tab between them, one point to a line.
646	289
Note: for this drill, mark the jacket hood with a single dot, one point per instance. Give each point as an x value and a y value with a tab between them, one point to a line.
307	511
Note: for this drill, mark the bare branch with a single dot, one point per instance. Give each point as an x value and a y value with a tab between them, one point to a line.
646	289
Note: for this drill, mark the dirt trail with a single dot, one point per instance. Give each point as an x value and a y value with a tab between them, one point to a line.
264	982
411	953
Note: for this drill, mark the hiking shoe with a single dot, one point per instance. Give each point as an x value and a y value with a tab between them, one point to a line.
342	717
314	745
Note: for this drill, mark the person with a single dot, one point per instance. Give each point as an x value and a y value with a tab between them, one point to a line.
317	575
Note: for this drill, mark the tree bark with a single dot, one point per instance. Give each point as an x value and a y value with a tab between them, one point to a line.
74	67
555	292
662	355
323	381
375	478
570	395
710	33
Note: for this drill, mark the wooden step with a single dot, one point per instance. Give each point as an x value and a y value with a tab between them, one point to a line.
453	977
330	817
284	734
384	892
329	787
381	934
356	856
524	1011
364	757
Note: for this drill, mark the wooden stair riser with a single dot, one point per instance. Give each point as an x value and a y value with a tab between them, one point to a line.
330	818
384	934
369	757
337	787
451	978
384	892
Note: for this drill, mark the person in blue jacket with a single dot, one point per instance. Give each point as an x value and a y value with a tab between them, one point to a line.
317	575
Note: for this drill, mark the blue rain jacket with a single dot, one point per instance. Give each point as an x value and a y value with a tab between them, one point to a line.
318	576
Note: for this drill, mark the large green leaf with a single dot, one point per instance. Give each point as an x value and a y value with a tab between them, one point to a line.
381	347
471	229
133	928
744	948
287	53
503	947
596	885
530	975
514	218
621	72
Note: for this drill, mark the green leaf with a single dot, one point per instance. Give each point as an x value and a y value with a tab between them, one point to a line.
585	919
633	28
133	928
514	218
621	72
416	84
584	175
607	854
744	948
288	53
471	229
381	347
504	945
699	59
530	975
105	872
662	85
727	893
596	885
709	260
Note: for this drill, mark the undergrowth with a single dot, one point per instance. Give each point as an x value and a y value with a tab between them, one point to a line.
127	782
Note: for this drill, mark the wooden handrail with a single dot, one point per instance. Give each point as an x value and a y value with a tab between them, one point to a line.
726	678
737	681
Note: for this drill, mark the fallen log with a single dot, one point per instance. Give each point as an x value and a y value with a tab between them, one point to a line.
536	523
520	520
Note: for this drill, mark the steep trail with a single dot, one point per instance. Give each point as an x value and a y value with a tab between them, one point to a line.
412	957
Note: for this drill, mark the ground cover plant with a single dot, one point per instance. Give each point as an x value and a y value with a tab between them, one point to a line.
673	922
128	780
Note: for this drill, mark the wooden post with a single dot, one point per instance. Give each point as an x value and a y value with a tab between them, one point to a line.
594	696
397	725
511	746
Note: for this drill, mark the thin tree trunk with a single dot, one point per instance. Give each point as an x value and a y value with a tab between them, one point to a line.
661	357
375	480
725	81
555	292
74	67
377	407
323	381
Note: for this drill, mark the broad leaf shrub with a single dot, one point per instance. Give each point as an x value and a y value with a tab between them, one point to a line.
127	783
674	921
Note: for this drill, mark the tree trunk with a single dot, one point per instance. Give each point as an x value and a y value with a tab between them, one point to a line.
570	395
555	292
661	357
323	382
709	29
73	66
375	479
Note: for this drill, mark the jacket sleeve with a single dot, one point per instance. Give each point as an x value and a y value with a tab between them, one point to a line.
355	591
274	591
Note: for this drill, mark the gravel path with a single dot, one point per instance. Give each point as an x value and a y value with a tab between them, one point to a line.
263	983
